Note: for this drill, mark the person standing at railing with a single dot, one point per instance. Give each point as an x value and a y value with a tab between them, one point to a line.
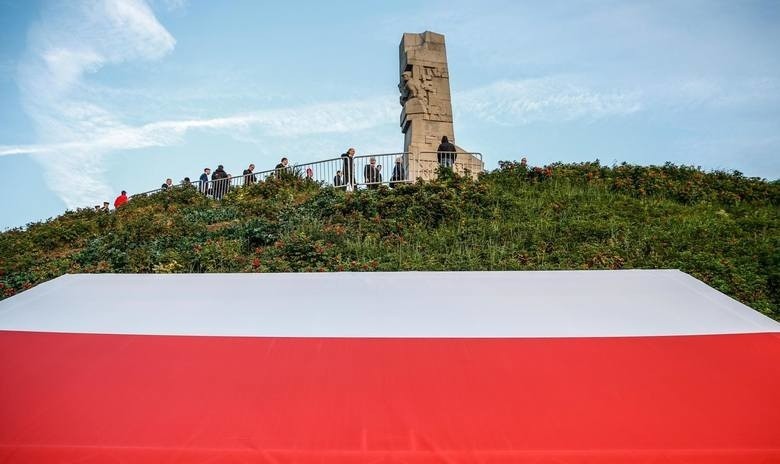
446	153
372	174
219	180
249	177
349	169
399	174
338	179
281	167
168	184
120	200
204	181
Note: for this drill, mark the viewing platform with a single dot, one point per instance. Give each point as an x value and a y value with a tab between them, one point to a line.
387	169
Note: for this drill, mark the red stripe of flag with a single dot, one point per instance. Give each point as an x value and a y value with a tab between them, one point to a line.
230	399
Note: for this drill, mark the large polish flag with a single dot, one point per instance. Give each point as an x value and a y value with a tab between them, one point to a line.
451	367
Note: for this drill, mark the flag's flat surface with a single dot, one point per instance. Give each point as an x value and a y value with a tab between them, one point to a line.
460	367
402	304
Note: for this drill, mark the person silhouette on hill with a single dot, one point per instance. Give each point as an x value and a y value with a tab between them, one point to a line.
281	167
120	200
349	168
399	174
372	174
446	153
220	181
204	181
249	177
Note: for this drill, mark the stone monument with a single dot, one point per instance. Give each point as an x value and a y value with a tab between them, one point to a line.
427	109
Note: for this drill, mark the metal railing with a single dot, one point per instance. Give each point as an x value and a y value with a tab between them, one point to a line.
364	171
426	165
368	171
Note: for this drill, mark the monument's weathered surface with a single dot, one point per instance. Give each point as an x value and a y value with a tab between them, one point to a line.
427	108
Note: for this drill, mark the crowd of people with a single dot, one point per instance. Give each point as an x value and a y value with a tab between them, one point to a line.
218	183
372	172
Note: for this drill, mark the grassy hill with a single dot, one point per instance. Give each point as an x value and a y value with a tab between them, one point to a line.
720	227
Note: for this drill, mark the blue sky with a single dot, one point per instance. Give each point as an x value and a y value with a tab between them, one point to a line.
103	95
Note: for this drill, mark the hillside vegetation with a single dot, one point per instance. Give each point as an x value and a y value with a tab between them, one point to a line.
722	228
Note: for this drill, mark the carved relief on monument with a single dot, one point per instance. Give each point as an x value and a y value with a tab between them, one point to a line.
415	94
409	87
420	94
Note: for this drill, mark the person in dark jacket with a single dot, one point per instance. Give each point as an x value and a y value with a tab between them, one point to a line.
349	168
204	182
399	174
281	167
282	164
249	177
446	153
220	182
338	179
372	174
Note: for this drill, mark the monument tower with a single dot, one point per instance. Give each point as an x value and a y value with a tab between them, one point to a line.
427	108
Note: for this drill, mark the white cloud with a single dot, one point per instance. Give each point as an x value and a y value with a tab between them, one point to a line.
7	150
172	5
70	40
323	118
503	102
718	93
139	31
551	99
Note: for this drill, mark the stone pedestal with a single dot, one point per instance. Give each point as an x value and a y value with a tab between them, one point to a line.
427	109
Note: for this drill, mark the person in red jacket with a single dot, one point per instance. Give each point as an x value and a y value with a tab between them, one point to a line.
120	200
